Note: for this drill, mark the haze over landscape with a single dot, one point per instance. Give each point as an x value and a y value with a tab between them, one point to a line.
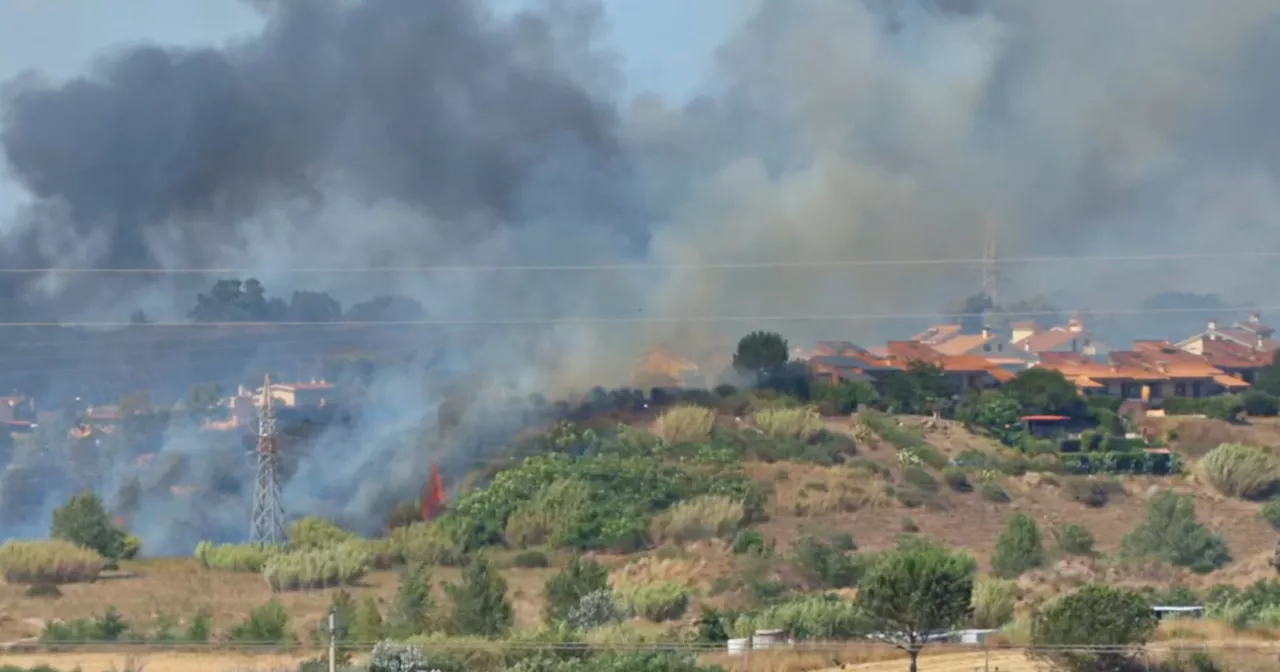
463	211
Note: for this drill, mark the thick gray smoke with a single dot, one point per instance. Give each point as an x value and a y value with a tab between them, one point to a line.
402	132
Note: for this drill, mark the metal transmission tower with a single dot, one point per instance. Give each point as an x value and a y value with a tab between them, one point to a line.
268	513
991	260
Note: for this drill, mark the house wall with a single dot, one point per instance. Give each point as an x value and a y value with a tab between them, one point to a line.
1083	344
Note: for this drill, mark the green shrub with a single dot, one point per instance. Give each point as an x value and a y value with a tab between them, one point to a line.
312	533
957	479
531	559
565	590
1087	491
480	604
909	525
747	541
1242	471
659	602
920	478
1019	548
1073	539
338	565
823	565
235	557
788	423
268	623
806	617
887	427
1259	404
130	547
1137	463
1172	533
109	627
1271	513
1222	407
84	521
994	492
54	561
843	541
685	424
1015	465
43	590
413	608
428	543
706	517
993	603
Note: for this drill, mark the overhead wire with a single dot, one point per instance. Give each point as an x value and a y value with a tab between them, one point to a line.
707	265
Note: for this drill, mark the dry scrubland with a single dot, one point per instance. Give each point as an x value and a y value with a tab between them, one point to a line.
874	498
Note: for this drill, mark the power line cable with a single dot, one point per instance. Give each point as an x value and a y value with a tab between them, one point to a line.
491	268
602	320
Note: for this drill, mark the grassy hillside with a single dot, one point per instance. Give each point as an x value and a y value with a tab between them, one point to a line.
745	514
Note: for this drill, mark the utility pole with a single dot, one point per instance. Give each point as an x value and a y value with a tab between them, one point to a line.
333	640
268	513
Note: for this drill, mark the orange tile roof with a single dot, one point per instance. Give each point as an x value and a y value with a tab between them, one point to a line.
939	333
1045	341
1229	381
912	351
1232	355
959	345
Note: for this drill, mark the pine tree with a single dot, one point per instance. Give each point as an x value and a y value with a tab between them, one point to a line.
414	604
480	604
367	626
566	589
1019	548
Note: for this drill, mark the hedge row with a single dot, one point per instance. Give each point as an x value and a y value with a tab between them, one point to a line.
1131	463
341	564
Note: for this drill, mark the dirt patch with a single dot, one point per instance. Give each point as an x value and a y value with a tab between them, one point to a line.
155	662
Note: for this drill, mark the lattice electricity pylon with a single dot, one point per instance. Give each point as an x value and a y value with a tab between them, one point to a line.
991	260
268	512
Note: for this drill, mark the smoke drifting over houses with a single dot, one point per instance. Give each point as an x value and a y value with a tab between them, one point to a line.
402	132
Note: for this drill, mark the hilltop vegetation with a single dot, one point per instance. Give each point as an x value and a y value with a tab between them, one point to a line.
719	513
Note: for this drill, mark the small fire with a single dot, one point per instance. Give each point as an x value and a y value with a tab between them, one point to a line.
434	499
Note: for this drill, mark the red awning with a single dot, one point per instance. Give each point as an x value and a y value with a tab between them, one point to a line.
1044	418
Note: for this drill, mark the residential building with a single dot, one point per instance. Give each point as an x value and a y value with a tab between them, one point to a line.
1151	372
1251	333
969	372
314	393
938	334
1231	357
989	345
1019	331
1072	338
841	361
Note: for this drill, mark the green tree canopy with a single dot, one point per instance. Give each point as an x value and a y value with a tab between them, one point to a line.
1094	616
761	352
1045	391
1019	548
1172	533
915	591
997	413
480	604
921	388
83	520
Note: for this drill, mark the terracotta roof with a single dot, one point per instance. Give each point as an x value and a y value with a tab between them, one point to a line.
1231	355
1162	357
836	348
964	343
1229	381
1050	339
904	352
1085	382
939	333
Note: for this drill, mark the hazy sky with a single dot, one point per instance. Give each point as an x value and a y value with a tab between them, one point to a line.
666	45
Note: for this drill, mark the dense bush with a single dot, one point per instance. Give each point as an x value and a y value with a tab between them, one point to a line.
920	478
1088	491
1172	533
597	609
84	521
1259	404
50	562
993	603
425	542
110	626
531	559
994	492
1242	471
706	517
312	532
268	623
565	591
602	502
823	565
1073	539
957	479
235	557
1094	616
1223	407
480	604
659	602
685	424
805	617
1271	513
337	565
788	423
1019	548
1126	462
